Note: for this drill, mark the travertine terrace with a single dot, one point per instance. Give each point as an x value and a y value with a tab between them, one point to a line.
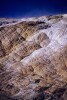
33	58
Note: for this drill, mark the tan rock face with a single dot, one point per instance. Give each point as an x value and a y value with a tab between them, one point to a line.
33	59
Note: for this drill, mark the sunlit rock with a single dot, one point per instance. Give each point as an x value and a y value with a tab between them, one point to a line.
33	58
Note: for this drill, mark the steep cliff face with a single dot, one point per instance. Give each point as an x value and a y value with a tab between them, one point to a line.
33	59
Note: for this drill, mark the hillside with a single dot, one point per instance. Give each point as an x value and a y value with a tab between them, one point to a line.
33	58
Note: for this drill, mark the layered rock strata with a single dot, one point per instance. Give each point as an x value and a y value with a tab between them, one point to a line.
33	59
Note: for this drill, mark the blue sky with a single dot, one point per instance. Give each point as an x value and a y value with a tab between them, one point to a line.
28	8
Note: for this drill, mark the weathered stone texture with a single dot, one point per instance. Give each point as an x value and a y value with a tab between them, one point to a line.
33	59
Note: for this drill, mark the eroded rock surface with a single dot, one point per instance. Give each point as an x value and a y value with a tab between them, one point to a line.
33	59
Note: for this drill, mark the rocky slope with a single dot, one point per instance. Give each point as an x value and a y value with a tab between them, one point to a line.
33	59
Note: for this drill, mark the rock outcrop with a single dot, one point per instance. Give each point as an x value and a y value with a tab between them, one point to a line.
33	59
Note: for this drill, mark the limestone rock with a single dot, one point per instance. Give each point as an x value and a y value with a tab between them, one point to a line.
33	58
